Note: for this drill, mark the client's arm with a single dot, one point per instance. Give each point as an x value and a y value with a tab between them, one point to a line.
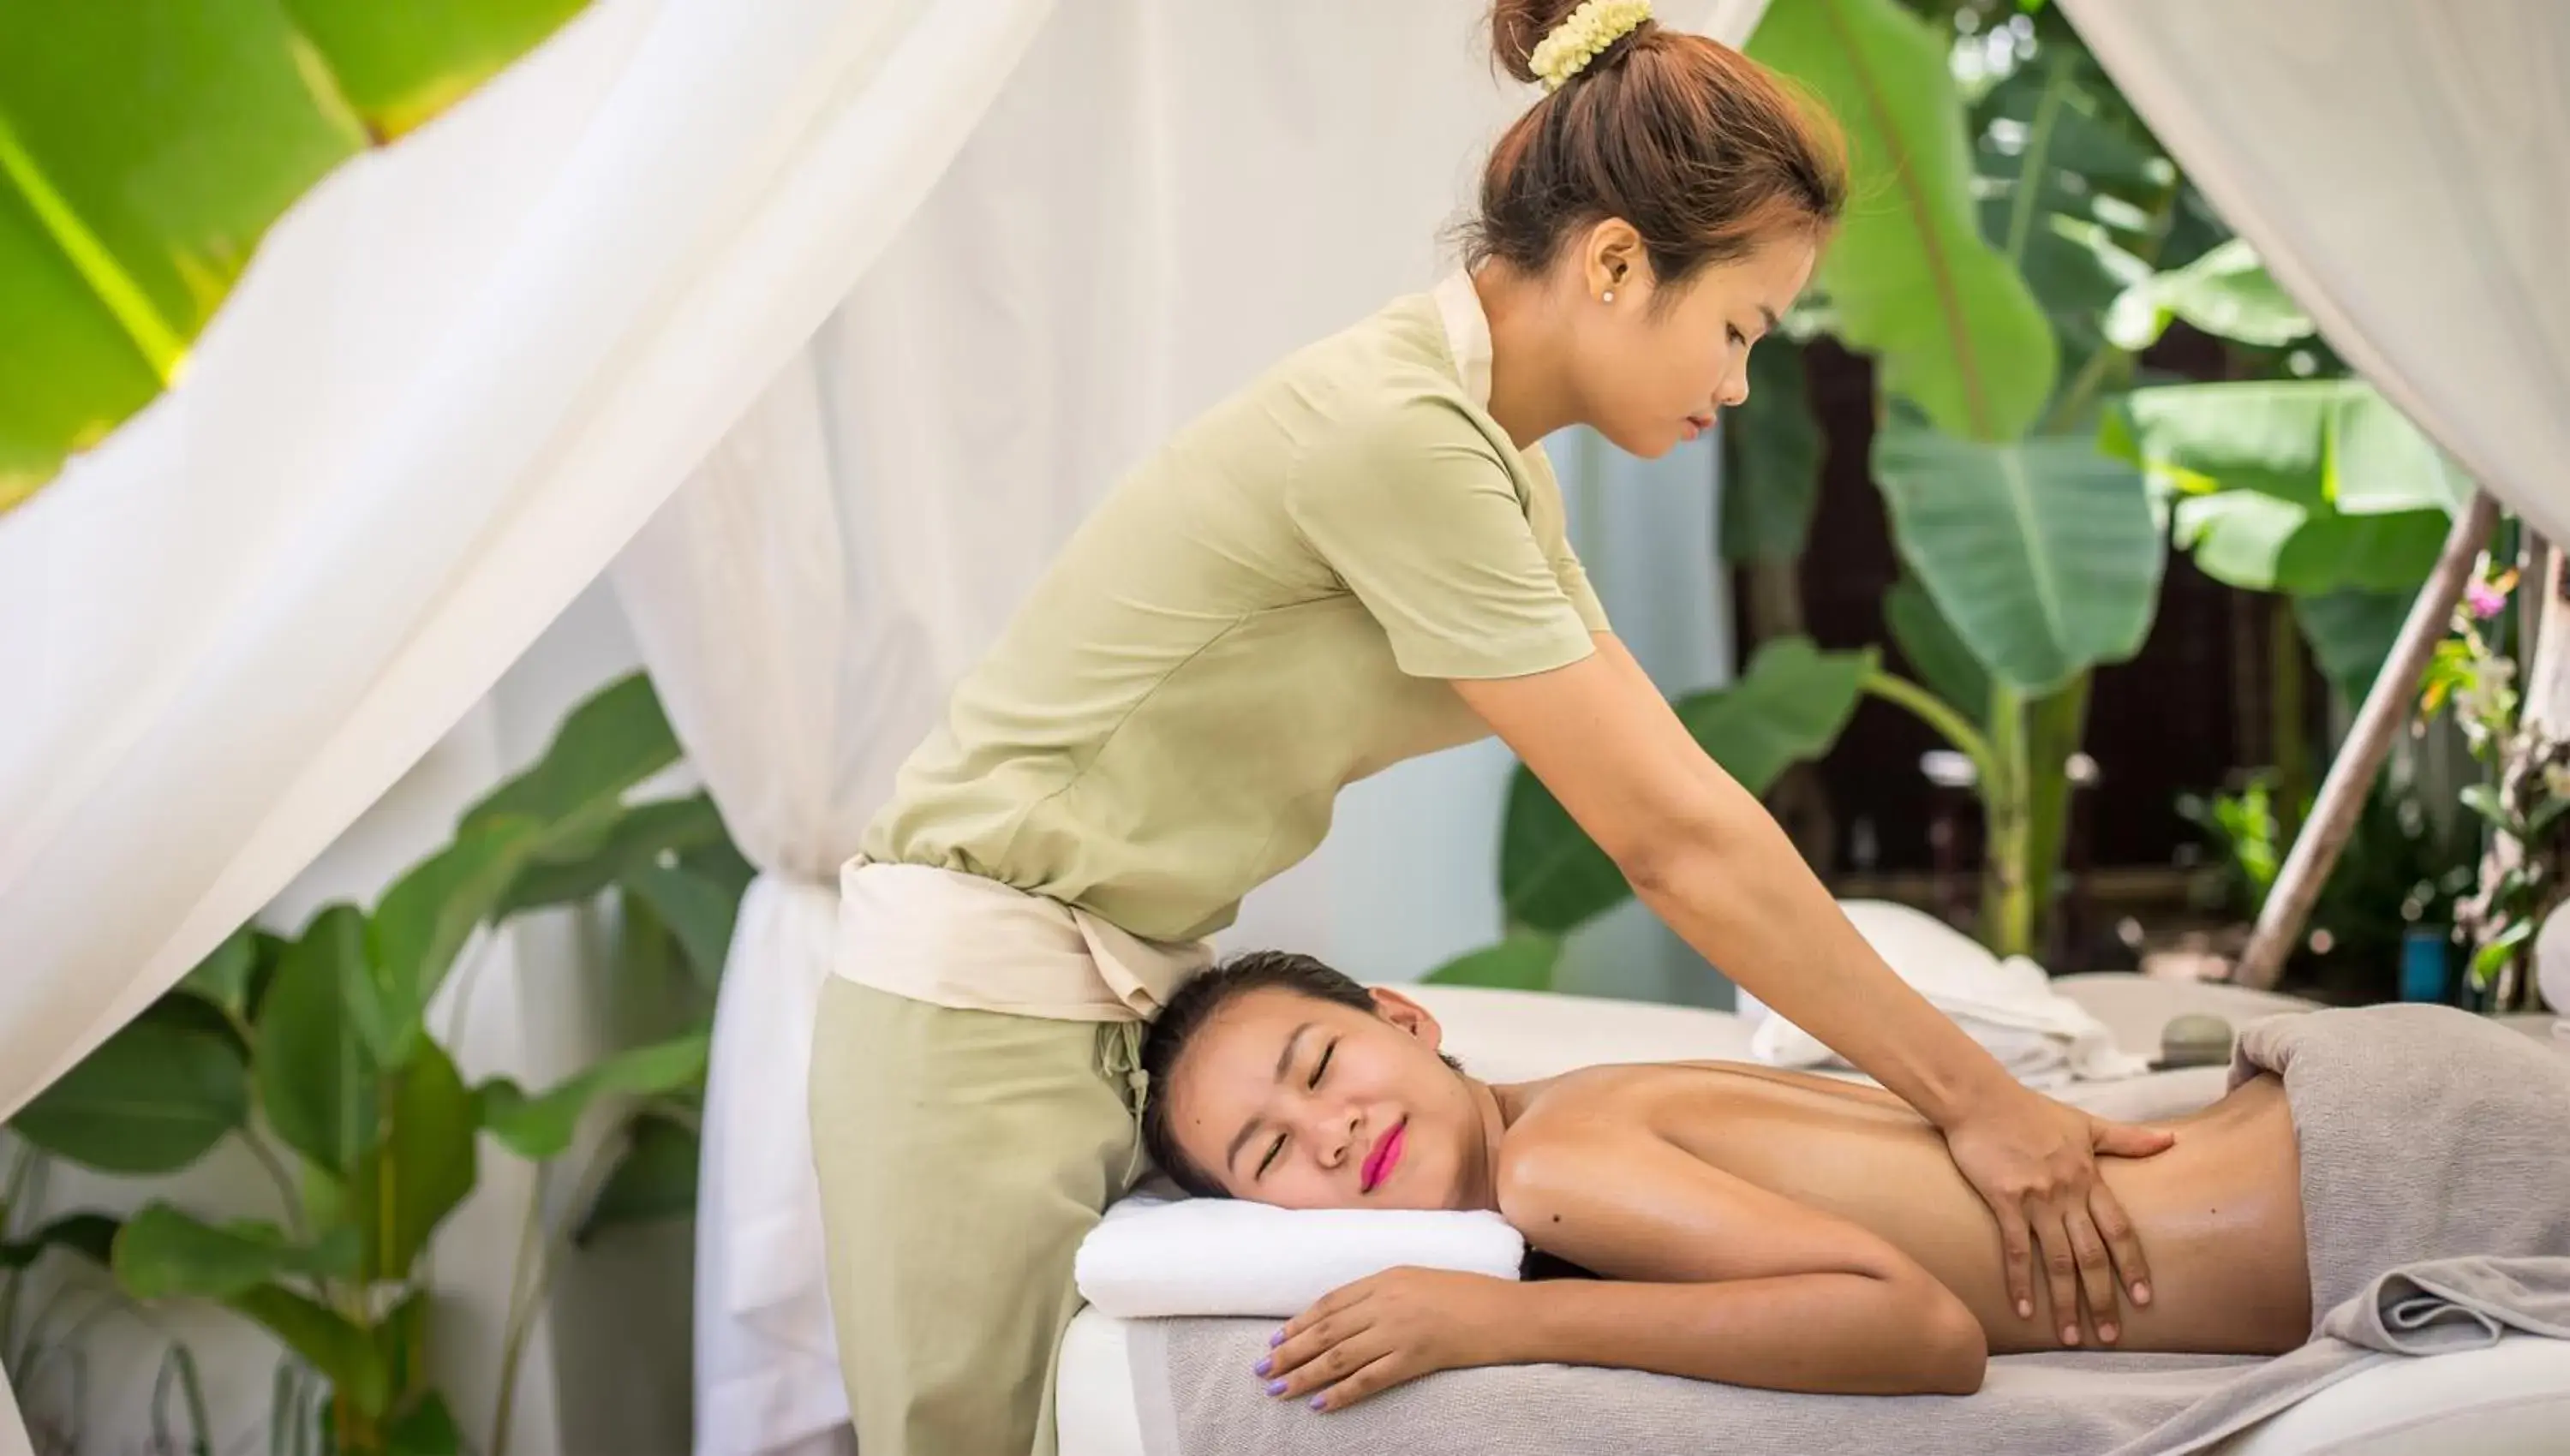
1709	1277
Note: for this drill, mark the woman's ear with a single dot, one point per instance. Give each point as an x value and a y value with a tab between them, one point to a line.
1612	258
1408	1014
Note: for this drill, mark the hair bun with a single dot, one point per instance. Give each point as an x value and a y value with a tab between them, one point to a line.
1519	26
1518	29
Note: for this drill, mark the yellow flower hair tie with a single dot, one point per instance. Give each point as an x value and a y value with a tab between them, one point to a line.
1567	48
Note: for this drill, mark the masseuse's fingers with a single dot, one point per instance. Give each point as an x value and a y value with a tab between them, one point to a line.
2123	1140
2108	1211
2016	1243
2096	1273
2061	1269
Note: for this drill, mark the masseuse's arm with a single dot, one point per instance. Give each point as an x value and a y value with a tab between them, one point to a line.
1710	861
1713	1279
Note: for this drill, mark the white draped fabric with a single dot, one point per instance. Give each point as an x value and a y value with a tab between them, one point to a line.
1168	198
465	372
2403	168
456	381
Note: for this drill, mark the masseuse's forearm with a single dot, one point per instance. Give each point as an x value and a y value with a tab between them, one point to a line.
1817	1333
1733	886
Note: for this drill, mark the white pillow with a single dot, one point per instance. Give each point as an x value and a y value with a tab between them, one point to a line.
1150	1258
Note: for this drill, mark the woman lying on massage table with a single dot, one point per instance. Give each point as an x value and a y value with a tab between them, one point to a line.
1745	1224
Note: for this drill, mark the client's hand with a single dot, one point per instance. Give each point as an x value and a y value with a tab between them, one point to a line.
2034	1162
1377	1333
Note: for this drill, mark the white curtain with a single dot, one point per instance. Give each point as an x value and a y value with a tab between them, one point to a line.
1168	198
455	382
2403	168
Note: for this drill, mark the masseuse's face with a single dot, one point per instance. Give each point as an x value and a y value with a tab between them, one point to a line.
1655	371
1308	1104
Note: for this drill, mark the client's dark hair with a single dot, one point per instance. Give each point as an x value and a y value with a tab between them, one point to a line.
1195	1006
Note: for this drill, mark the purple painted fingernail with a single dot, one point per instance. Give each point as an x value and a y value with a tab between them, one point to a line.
1276	1339
1264	1366
1275	1387
1319	1400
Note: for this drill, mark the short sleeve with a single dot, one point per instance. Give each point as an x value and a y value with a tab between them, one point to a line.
1427	524
1552	525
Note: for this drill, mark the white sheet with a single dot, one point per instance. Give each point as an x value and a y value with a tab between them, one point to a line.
2511	1399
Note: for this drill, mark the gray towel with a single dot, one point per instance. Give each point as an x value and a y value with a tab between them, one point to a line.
2437	1197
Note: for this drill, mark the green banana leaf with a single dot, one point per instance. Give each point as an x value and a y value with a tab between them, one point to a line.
1789	706
426	1429
147	146
1522	962
152	1099
541	1126
2062	162
1954	327
1936	658
2351	634
163	1253
2043	555
421	925
2227	293
234	976
1771	478
2262	543
655	1180
2333	444
317	1082
91	1236
423	1167
639	837
614	739
327	1340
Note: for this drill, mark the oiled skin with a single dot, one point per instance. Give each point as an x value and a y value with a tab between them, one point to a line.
2219	1215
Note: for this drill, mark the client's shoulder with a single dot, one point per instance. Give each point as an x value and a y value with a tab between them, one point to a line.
1571	1129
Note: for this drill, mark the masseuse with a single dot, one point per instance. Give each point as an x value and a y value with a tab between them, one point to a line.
1357	559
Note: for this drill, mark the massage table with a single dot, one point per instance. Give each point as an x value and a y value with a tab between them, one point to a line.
2510	1399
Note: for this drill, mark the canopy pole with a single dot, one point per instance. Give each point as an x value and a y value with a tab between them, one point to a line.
2360	760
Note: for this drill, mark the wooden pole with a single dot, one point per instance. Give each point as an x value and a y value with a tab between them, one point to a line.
2369	743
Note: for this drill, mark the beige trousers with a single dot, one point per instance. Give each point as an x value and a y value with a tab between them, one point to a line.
962	1154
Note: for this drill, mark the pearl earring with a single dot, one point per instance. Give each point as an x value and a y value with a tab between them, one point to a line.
1607	297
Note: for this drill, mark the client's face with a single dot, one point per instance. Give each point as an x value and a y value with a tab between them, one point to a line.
1308	1104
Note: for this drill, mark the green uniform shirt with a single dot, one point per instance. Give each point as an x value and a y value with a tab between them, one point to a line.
1267	611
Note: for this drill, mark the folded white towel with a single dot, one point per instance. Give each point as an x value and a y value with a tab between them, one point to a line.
1150	1258
2042	1037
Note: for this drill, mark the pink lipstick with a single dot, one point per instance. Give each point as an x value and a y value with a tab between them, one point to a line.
1383	1159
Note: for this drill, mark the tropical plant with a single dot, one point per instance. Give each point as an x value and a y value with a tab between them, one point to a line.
2524	801
315	1054
2402	870
145	147
2002	263
1789	706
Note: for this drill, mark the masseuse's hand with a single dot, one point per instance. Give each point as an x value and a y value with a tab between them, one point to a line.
1377	1333
2034	1162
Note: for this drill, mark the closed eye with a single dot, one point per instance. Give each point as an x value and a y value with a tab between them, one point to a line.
1276	1149
1737	336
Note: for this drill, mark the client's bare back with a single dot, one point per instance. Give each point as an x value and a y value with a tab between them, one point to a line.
2221	1212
